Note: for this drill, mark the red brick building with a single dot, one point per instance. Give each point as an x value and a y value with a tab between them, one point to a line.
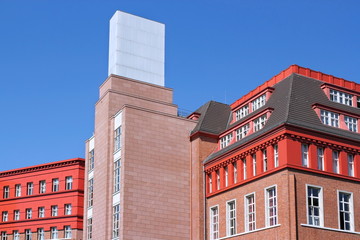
282	162
43	201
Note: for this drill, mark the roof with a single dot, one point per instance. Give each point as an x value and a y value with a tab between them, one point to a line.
292	100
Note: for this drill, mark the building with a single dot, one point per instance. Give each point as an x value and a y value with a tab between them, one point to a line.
43	201
282	162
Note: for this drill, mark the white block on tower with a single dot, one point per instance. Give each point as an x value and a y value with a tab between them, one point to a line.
137	48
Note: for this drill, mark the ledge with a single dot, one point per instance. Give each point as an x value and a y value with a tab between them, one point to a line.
248	232
330	229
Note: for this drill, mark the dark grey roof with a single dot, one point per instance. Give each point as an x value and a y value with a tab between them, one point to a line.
292	100
213	119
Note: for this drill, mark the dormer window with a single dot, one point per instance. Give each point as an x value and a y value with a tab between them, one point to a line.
351	123
358	102
242	112
329	118
259	102
259	123
242	132
225	141
341	97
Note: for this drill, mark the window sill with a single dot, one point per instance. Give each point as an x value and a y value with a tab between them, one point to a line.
244	233
330	229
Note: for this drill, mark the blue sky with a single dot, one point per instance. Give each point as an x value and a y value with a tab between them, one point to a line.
53	58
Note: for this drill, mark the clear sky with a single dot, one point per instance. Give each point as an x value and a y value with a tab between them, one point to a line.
53	58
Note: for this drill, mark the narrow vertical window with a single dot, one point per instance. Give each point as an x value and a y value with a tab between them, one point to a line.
254	164
351	165
89	229
6	192
276	155
68	209
42	186
68	183
40	234
67	230
346	211
314	202
217	180
28	213
320	158
214	223
335	161
30	188
18	190
231	218
91	163
28	234
16	235
117	168
54	233
41	212
265	161
235	172
90	192
5	216
250	221
271	207
244	168
117	139
4	236
55	185
305	154
226	176
116	221
210	183
54	210
16	215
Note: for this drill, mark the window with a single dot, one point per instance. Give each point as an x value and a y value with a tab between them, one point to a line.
67	230
16	215
314	206
226	176
91	160
28	234
116	221
254	164
305	154
335	161
259	123
244	168
16	235
117	140
55	185
259	102
320	158
271	206
225	141
276	155
54	233
68	183
41	211
231	218
210	183
42	186
40	234
54	210
235	172
18	190
5	216
329	118
68	209
4	236
90	192
28	213
30	188
351	123
351	165
242	112
89	229
358	102
117	169
250	222
242	132
6	192
214	223
346	211
217	180
264	154
341	97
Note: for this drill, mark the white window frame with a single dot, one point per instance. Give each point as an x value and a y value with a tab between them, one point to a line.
231	222
18	190
242	112
259	123
116	222
67	232
117	175
5	216
89	229
254	163
4	236
350	159
41	212
16	215
91	164
28	234
241	132
30	188
341	97
90	197
320	158
55	185
351	210
210	183
217	179
259	102
40	234
68	209
235	172
330	118
6	192
28	213
335	160
268	208
244	168
42	186
54	210
117	139
226	140
351	123
247	213
265	160
54	233
214	233
68	183
276	155
305	155
16	235
226	171
321	206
